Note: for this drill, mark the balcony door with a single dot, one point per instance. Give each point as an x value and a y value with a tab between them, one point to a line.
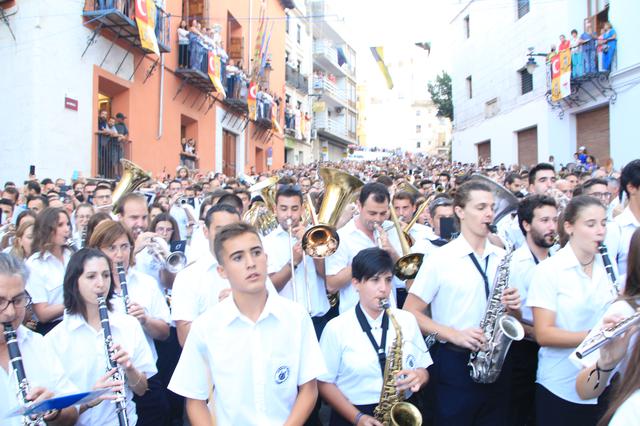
228	153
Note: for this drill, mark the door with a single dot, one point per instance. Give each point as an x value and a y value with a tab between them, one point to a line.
484	152
592	132
528	147
228	153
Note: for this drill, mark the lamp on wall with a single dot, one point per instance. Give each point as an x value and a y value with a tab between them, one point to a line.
531	64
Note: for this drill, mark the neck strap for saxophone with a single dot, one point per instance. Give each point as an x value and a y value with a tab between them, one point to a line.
483	273
366	327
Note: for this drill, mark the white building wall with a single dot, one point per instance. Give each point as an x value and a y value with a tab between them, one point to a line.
50	36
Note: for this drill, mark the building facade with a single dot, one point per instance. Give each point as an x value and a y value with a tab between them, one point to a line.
65	61
505	114
334	95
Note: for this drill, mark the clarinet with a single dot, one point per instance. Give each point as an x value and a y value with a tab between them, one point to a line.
123	286
15	358
608	266
121	399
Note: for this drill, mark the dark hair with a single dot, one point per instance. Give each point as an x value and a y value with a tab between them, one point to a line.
232	200
385	180
463	192
239	191
45	200
107	232
378	191
73	302
442	201
289	191
24	214
46	181
206	203
7	202
102	185
594	181
128	198
370	262
574	32
45	226
404	195
528	205
630	175
572	211
34	186
12	191
219	208
166	217
97	218
511	177
229	232
632	283
537	168
445	174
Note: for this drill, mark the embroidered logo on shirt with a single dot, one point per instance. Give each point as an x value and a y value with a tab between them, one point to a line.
282	374
411	361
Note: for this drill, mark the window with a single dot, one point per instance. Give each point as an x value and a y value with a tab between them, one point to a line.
286	24
417	144
299	33
491	108
469	87
526	81
418	128
523	8
417	113
467	28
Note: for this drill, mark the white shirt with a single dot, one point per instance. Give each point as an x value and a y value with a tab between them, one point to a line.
144	291
276	245
352	362
199	245
256	368
629	412
619	307
46	275
42	369
182	218
627	224
352	241
147	264
451	284
82	351
520	273
560	285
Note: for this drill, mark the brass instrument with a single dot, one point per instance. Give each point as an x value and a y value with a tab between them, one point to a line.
173	263
132	177
409	188
406	268
505	202
499	330
606	335
392	409
293	266
322	240
262	214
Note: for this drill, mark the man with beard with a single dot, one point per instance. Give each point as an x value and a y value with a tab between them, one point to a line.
538	220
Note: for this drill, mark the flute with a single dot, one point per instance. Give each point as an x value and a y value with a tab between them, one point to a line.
606	334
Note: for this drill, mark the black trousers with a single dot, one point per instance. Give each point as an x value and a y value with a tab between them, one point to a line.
401	296
337	420
555	411
168	355
152	407
524	359
459	400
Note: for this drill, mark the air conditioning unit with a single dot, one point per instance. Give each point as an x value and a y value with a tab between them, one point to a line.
314	133
339	110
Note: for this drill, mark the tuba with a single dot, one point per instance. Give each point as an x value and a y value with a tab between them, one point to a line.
506	202
132	177
499	329
322	240
261	214
392	409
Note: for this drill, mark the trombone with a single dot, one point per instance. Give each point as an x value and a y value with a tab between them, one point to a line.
406	268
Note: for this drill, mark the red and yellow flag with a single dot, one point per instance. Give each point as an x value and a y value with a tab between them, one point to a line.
275	124
251	100
146	20
214	72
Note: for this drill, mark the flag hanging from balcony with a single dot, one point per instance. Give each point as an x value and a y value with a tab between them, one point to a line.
378	55
251	99
560	75
275	124
214	72
146	21
257	51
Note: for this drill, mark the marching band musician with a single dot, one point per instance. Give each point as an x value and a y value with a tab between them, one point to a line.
538	219
569	291
599	367
441	207
43	370
629	220
360	233
269	338
455	283
199	286
405	205
79	343
47	265
351	343
289	206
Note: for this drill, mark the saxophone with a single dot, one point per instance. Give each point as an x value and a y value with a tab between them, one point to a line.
499	330
392	409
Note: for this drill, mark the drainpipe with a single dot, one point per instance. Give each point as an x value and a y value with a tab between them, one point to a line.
161	106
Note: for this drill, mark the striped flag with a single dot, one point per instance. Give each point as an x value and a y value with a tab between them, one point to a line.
378	55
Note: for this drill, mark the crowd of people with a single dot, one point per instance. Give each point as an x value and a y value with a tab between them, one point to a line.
591	52
217	316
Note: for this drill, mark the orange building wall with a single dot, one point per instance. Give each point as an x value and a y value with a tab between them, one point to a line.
140	101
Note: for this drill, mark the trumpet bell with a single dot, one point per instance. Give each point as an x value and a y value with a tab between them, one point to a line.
405	414
320	241
175	262
407	267
132	177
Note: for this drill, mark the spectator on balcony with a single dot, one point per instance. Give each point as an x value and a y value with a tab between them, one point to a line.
195	47
191	146
298	123
577	68
600	50
121	127
610	42
588	49
564	43
183	45
182	173
289	117
231	75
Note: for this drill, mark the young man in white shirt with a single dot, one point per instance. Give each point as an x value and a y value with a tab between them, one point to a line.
309	289
43	371
358	234
267	337
629	220
199	286
455	282
538	218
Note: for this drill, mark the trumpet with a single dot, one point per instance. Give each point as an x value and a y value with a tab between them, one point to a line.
173	263
293	266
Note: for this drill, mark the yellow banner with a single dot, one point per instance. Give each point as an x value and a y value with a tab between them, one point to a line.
146	21
214	73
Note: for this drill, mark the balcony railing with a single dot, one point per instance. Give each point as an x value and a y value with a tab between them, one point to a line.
119	17
328	87
110	150
335	127
296	80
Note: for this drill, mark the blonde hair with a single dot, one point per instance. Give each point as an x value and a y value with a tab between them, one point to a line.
16	249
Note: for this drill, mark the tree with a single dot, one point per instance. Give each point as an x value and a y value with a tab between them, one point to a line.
440	92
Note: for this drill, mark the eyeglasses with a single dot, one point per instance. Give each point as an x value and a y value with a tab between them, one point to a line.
19	301
601	195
